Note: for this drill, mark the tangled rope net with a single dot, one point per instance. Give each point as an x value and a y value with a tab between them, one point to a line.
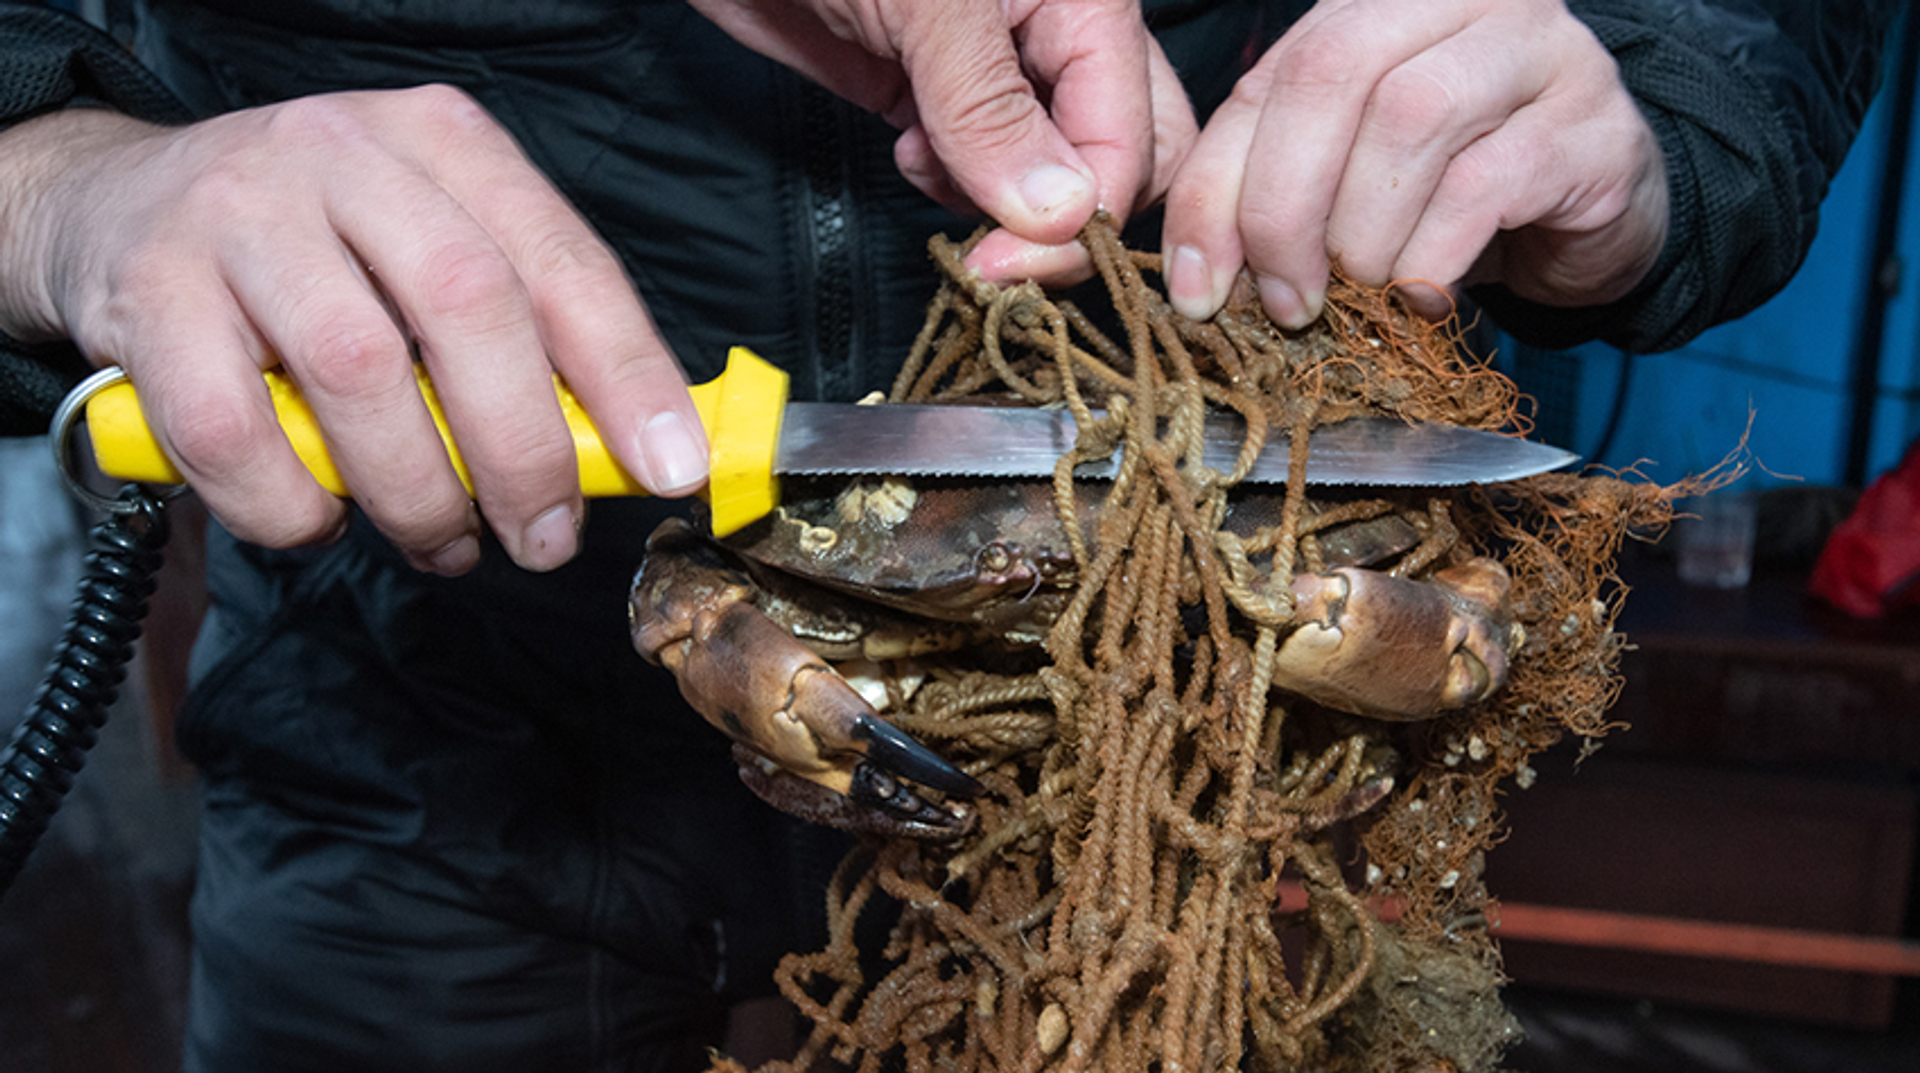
1150	793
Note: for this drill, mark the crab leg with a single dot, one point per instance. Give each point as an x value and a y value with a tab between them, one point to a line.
692	612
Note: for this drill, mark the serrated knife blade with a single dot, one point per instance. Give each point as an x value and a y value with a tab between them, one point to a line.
979	441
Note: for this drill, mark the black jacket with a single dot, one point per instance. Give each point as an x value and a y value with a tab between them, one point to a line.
1755	103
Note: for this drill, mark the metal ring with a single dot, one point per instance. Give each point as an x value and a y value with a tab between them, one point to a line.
66	418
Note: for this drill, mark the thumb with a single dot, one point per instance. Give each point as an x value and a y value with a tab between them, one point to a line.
987	127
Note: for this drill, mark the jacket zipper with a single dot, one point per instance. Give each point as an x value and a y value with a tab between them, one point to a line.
828	222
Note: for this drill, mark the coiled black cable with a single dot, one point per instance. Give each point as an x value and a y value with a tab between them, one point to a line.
64	719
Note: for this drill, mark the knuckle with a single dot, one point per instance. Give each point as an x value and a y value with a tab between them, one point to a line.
319	120
1504	180
528	462
1248	96
1326	58
1411	106
221	189
520	464
440	97
996	116
1268	229
1474	178
994	124
471	283
214	440
446	106
139	281
569	256
348	357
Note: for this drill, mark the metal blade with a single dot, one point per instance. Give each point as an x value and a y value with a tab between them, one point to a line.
986	441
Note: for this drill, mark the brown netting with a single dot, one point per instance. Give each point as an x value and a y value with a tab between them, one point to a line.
1150	795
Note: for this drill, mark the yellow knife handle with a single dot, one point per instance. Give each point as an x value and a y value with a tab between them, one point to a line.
740	410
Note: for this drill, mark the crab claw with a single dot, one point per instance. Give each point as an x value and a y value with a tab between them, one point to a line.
691	612
1391	648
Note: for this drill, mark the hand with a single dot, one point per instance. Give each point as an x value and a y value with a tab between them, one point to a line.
1447	144
964	81
328	235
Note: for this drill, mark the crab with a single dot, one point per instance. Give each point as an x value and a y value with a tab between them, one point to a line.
855	575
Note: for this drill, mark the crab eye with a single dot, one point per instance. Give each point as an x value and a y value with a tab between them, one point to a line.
994	558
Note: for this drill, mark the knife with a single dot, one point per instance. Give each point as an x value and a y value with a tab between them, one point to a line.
755	433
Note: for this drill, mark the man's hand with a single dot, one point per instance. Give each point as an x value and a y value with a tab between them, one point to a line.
333	235
1036	112
1446	144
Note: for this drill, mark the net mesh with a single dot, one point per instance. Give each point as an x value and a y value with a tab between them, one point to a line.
1180	866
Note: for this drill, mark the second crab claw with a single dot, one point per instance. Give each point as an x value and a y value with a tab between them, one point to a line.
1392	648
793	716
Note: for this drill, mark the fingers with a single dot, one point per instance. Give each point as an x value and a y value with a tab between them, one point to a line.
1097	64
1035	112
1500	181
1201	234
458	299
1175	128
511	287
595	331
1403	139
1004	256
987	126
466	312
321	317
1262	182
1322	111
953	70
913	155
202	394
341	236
1421	118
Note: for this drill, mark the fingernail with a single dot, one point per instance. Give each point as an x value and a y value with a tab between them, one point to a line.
1315	300
1046	189
1190	283
457	557
1283	304
676	459
552	539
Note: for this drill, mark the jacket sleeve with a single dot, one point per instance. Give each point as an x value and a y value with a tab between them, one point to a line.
50	61
1755	103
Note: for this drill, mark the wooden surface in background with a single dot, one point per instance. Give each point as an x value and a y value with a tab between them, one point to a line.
1766	777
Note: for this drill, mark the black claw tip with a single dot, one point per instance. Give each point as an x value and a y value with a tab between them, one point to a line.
893	749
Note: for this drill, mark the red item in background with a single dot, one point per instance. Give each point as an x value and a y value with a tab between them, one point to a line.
1870	566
